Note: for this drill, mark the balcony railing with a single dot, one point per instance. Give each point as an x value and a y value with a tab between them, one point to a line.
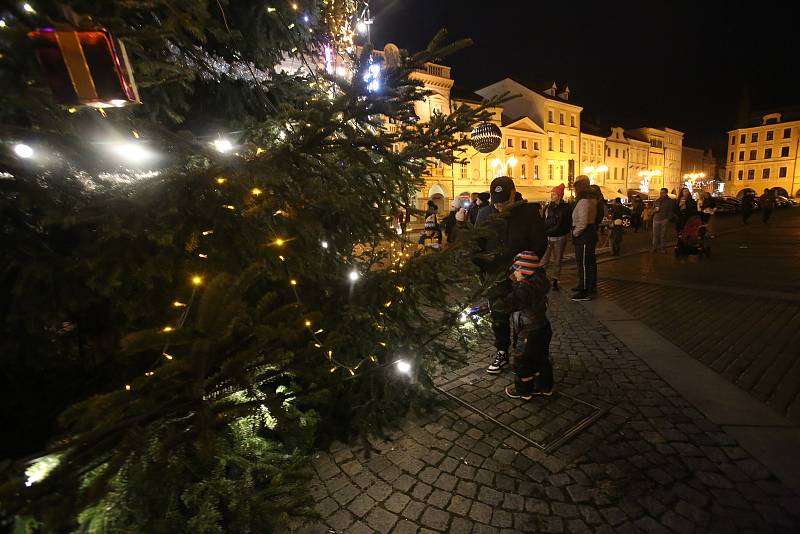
436	70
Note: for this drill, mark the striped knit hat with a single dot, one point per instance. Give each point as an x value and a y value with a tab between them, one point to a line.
527	262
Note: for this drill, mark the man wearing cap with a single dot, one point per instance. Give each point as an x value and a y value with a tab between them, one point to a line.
584	237
557	224
511	227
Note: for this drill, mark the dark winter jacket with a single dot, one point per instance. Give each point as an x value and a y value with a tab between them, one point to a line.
748	201
689	208
472	213
616	211
602	208
557	219
529	298
518	228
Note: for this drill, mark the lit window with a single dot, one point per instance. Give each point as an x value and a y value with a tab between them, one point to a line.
572	120
561	145
536	145
550	171
572	146
522	169
742	138
536	172
550	143
741	155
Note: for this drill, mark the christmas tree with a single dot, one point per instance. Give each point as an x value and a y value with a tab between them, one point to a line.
204	286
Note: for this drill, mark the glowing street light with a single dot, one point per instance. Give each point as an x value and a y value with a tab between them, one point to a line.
354	276
222	145
22	150
403	366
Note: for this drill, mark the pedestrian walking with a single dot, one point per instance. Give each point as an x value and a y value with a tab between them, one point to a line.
767	203
707	207
647	216
584	237
527	304
475	205
685	208
449	222
748	203
637	209
617	229
512	227
663	213
557	225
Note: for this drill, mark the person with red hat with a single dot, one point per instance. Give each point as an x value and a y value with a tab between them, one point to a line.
557	225
527	304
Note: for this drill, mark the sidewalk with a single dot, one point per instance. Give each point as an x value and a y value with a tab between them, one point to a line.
647	461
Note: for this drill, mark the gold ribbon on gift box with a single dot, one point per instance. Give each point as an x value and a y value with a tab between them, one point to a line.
77	67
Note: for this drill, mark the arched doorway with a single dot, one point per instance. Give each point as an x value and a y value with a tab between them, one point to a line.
742	192
779	191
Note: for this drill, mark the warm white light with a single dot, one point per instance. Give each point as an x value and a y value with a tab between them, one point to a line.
512	161
361	26
463	318
324	244
354	276
28	8
2	23
403	366
222	145
496	162
23	150
588	170
602	168
118	103
132	152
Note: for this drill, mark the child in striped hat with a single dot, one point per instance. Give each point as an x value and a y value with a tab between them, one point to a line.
528	304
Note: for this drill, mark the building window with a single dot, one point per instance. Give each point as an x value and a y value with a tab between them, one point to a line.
561	173
615	173
510	143
572	120
754	137
550	171
572	146
769	135
741	155
509	170
729	175
549	115
733	139
782	172
623	152
767	153
522	169
752	154
608	150
740	174
751	174
765	173
623	174
616	152
741	139
536	145
784	151
561	119
731	155
787	133
561	145
550	144
536	172
583	147
523	144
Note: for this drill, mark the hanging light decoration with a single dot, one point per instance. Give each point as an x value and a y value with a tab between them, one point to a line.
486	137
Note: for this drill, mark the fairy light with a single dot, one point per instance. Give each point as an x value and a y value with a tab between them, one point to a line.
149	373
279	242
319	331
324	244
197	280
167	356
127	387
256	191
228	207
204	256
208	232
28	8
403	366
281	258
179	304
279	212
333	369
354	276
293	282
389	303
400	289
294	7
352	373
167	329
221	180
308	323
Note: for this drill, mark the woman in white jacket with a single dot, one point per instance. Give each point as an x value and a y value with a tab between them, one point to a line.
584	238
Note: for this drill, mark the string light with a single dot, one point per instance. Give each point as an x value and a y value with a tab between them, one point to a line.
333	369
403	366
354	276
308	323
324	244
204	256
28	8
293	282
167	356
294	6
279	212
221	180
208	232
256	191
352	373
387	304
228	207
197	280
127	387
319	331
179	304
167	329
281	258
222	145
279	242
149	373
400	289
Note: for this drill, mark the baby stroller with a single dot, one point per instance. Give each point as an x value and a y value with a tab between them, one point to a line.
692	239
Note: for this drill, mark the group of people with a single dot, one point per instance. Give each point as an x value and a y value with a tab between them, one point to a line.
766	202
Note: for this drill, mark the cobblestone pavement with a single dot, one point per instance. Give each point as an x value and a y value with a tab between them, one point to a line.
650	463
738	312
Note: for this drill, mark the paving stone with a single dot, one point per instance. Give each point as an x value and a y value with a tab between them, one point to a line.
326	507
502	519
537	506
564	510
613	515
404	526
361	505
346	494
379	490
439	498
484	529
403	483
693	513
513	502
421	491
467	489
413	510
429	475
713	480
396	502
480	512
675	522
560	480
504	483
446	482
576	526
340	520
435	519
489	496
753	469
460	524
381	520
590	515
651	526
554	525
577	493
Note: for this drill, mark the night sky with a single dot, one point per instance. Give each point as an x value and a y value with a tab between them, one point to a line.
652	63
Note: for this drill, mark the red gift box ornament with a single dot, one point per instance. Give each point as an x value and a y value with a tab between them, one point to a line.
85	67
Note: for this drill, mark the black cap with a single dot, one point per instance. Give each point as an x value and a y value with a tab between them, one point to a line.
500	189
484	196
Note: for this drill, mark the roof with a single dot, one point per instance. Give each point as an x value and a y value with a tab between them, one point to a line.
462	93
636	135
540	88
593	129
